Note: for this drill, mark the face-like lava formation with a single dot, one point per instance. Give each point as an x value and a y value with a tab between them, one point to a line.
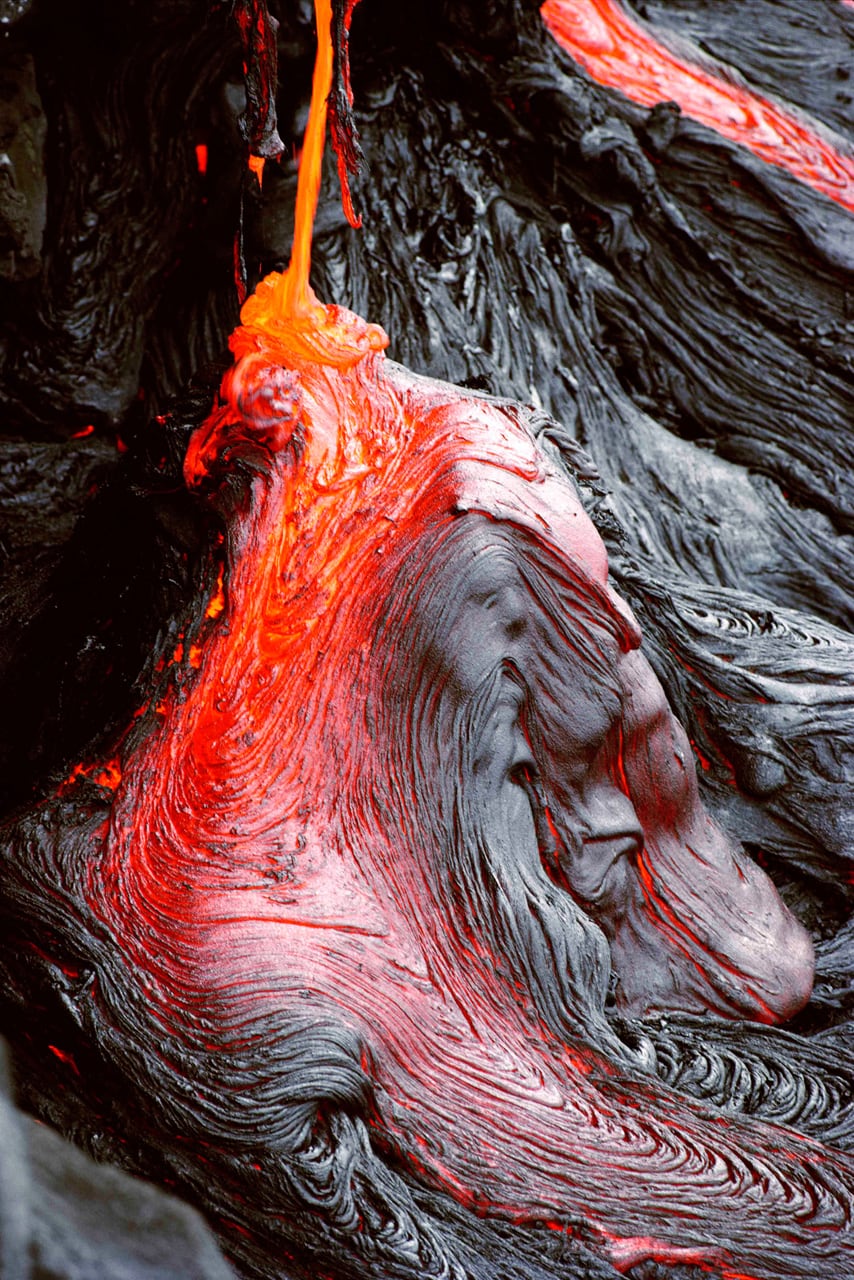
408	780
409	812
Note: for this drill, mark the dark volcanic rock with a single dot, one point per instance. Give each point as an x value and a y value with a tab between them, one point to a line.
64	1217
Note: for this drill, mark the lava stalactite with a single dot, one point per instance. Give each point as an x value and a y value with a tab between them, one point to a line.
258	37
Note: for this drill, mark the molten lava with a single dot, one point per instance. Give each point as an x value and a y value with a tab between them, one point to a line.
620	52
284	315
411	795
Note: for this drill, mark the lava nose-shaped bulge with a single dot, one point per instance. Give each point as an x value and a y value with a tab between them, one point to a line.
457	637
490	654
574	722
524	648
481	639
535	648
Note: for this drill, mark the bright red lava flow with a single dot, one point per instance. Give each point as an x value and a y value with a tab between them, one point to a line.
274	861
616	50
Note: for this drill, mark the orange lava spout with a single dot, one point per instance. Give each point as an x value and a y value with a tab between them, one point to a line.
284	318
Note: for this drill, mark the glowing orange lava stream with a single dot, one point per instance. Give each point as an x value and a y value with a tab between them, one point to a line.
616	50
284	318
269	859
